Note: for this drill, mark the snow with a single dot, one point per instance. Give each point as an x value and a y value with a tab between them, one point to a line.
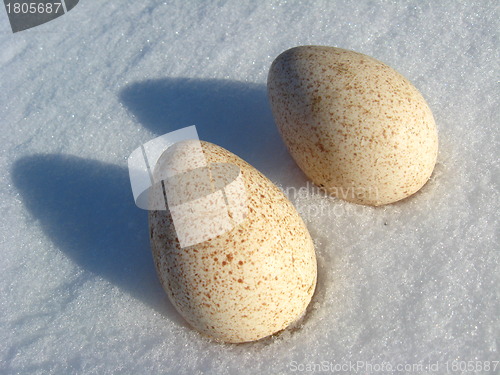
413	283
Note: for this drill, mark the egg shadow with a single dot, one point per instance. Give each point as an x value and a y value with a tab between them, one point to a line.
87	209
232	114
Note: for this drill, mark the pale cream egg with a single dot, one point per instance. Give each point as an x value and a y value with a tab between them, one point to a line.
355	126
247	268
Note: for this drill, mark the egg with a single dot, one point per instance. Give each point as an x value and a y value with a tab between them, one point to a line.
235	282
355	126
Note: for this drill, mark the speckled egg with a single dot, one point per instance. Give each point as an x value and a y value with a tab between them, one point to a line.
355	126
246	281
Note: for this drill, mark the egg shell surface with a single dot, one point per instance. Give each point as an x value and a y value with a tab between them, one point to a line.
355	126
245	284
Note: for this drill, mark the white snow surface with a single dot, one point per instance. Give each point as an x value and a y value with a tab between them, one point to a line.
416	283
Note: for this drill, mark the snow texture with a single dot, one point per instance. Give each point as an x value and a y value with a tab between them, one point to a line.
414	283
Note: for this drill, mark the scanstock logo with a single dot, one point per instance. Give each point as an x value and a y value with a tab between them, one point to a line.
25	14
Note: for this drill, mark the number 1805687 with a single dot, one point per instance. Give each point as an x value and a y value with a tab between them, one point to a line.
33	8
